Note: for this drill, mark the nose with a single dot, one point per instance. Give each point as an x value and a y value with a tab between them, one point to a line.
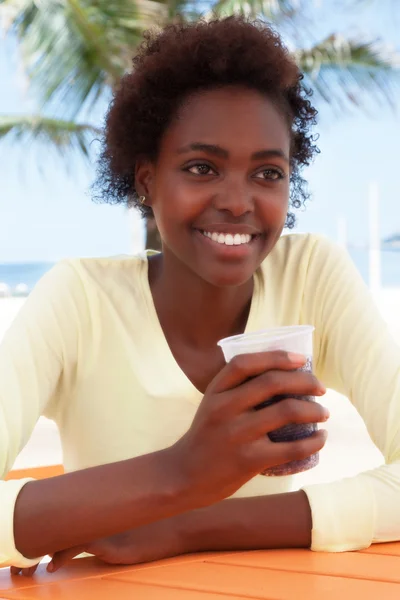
234	197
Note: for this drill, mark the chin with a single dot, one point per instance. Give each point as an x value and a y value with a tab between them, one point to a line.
228	277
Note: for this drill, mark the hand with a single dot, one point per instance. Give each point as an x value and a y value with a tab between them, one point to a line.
227	444
162	539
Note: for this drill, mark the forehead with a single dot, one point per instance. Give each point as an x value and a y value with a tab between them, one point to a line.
230	117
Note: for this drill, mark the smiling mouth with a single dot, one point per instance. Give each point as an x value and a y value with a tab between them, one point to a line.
229	239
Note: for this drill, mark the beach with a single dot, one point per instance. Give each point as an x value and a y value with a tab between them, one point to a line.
348	450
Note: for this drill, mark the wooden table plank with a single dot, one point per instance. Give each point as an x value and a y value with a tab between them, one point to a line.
36	472
80	568
87	589
391	549
347	564
260	583
100	589
83	568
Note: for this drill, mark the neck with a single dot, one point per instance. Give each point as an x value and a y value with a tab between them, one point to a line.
193	310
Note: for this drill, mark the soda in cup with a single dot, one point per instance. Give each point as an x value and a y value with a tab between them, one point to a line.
296	339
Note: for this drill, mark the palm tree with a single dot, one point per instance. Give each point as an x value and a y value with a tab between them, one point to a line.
74	53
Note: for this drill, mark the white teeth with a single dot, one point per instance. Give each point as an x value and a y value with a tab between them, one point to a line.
229	239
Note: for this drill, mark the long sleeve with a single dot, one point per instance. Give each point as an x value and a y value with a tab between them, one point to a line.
356	356
37	362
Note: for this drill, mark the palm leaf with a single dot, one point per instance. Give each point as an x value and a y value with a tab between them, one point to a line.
269	9
60	135
73	51
340	69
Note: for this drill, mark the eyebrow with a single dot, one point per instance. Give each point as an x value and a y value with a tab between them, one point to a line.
222	153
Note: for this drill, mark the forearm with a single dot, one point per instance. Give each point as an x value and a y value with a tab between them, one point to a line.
278	521
72	509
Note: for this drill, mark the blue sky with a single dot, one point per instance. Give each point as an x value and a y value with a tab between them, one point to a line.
49	215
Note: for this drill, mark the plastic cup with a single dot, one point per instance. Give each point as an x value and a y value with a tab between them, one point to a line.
291	339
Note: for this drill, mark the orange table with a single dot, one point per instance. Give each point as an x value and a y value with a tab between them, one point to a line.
276	574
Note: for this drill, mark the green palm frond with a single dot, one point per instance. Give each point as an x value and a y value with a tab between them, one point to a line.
60	135
74	50
338	68
269	9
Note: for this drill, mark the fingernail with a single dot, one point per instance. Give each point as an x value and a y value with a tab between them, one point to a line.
326	412
297	359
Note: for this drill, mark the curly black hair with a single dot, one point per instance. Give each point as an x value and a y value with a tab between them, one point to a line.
183	59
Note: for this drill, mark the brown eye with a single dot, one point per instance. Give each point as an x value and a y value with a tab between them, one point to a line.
201	169
270	174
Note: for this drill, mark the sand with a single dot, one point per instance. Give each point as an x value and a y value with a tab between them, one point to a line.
348	450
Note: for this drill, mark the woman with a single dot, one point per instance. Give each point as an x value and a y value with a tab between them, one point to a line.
209	134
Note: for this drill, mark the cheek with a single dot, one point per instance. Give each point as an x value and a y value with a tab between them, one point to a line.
174	211
180	204
274	207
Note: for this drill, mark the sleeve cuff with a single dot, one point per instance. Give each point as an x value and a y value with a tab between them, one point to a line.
343	514
9	555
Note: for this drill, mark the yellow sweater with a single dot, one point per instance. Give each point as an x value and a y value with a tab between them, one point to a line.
87	350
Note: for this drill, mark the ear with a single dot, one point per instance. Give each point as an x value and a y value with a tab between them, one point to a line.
144	179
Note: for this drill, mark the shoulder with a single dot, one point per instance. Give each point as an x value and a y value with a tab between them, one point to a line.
304	245
78	288
301	251
85	274
304	262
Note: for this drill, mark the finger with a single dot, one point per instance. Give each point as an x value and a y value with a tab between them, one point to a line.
267	454
62	557
284	452
245	366
285	412
26	571
29	571
275	383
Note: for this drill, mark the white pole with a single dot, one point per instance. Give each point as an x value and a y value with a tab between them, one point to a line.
374	239
342	231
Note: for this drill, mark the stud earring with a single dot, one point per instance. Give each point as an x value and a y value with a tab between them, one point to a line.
142	199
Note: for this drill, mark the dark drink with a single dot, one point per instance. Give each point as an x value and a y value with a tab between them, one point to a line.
290	433
289	338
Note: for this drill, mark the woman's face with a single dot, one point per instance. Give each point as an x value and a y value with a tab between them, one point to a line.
220	187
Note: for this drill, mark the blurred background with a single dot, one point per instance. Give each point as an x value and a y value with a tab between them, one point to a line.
59	63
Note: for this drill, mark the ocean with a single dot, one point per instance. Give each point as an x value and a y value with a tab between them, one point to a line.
18	279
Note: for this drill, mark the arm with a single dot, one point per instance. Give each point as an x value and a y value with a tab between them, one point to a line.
32	354
40	363
279	521
262	522
65	511
357	356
